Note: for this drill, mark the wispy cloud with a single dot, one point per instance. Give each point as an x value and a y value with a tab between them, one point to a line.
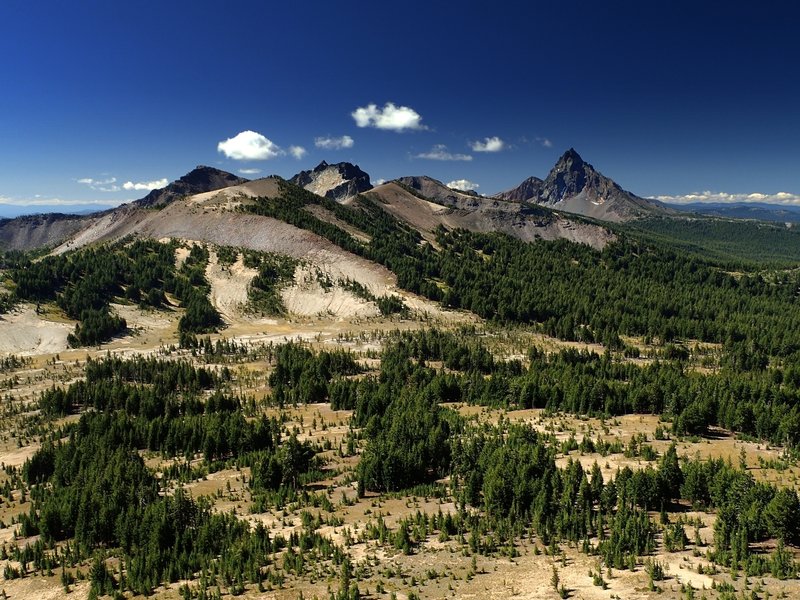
109	184
440	152
249	171
709	196
465	185
489	144
297	151
544	142
390	117
43	201
334	143
101	185
249	145
145	185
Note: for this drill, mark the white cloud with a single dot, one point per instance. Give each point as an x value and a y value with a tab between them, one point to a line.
709	196
440	152
145	185
378	182
101	185
492	144
465	185
249	171
545	143
332	143
249	145
109	184
390	117
297	151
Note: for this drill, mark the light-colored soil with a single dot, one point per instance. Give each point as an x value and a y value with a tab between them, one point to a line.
307	297
18	456
229	286
43	588
25	333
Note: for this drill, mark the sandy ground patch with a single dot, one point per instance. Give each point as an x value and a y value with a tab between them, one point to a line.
181	254
43	588
229	285
25	333
307	297
18	456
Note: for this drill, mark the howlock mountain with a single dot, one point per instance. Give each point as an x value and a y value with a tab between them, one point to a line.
339	182
317	387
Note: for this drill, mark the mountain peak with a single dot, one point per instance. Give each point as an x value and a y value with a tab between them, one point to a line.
200	179
339	181
570	160
574	185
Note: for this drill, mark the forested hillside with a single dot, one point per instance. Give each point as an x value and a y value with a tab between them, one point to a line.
636	286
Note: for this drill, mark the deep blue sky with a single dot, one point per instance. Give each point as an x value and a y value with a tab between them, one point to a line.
667	98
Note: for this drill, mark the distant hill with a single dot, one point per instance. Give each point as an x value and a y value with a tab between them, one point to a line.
53	229
575	186
759	211
12	211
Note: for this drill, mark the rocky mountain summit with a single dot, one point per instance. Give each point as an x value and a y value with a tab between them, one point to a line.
525	191
339	181
574	185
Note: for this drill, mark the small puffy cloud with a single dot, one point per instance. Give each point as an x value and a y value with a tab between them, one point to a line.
464	185
378	182
544	142
249	145
390	117
145	185
492	144
297	151
101	185
249	171
709	196
440	152
334	143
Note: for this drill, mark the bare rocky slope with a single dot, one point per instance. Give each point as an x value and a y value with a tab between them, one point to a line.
426	203
340	182
40	231
575	186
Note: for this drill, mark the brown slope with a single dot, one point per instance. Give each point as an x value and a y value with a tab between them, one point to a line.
213	218
479	214
40	231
